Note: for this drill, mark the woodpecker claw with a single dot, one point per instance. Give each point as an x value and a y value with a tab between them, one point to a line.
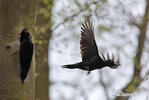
88	72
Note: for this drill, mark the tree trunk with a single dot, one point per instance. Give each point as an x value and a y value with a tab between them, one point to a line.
136	80
42	43
42	71
14	16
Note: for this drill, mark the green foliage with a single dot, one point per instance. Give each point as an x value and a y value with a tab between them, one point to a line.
78	4
104	28
45	1
40	42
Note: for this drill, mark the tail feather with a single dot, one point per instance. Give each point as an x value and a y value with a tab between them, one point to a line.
72	66
22	81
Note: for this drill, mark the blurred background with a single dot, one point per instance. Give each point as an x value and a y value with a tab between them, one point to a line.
121	27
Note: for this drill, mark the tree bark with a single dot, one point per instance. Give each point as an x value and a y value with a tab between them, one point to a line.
42	43
136	80
14	16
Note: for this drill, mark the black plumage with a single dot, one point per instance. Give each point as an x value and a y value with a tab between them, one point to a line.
91	60
26	53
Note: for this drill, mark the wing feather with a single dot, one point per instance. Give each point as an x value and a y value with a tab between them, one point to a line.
87	43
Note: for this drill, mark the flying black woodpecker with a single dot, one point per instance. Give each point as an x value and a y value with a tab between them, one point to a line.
91	60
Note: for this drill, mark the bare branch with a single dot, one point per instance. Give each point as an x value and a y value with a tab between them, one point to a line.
67	19
103	85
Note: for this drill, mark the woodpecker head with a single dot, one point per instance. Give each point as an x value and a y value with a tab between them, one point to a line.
112	64
110	61
24	34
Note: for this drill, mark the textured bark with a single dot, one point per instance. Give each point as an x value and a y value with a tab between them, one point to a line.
14	16
42	71
136	80
42	44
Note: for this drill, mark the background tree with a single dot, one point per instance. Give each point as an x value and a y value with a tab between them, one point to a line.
43	30
137	79
15	16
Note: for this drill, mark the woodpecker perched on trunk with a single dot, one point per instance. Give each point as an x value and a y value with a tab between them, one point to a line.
26	53
91	60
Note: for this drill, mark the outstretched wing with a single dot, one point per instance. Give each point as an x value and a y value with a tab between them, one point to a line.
87	43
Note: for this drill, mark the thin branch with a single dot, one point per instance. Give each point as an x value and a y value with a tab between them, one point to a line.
103	85
67	19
